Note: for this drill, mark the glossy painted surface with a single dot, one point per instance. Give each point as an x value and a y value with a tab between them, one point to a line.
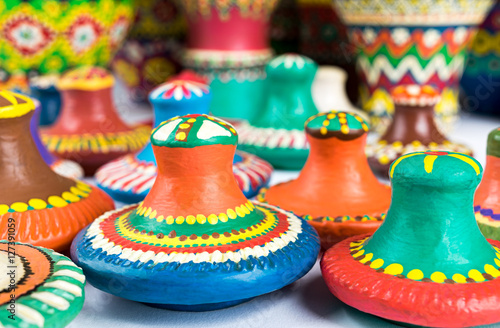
429	249
336	166
193	229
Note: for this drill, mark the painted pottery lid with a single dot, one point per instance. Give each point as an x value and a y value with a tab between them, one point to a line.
342	125
180	89
337	141
415	95
291	66
423	245
49	288
32	192
86	78
195	229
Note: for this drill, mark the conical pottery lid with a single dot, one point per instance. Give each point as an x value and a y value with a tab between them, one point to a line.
429	251
48	288
487	198
197	225
336	165
33	195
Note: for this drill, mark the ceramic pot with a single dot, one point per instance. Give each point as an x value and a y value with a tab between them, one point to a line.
233	65
428	264
51	36
129	179
203	242
152	52
68	169
277	134
411	42
48	209
481	77
49	288
336	165
487	199
413	128
89	130
43	88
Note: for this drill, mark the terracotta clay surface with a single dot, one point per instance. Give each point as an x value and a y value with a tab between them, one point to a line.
336	191
428	264
487	198
412	129
41	288
195	243
89	130
47	208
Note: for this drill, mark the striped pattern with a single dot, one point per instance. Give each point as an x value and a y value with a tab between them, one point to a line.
127	174
68	169
271	138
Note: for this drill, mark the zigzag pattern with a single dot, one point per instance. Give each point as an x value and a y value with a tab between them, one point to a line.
438	65
425	42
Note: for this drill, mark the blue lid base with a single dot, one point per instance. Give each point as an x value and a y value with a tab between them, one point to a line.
198	307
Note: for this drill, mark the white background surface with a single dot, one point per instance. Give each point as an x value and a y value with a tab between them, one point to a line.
306	303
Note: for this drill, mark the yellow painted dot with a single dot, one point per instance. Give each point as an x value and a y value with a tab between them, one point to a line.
394	269
20	207
342	120
191	120
438	277
490	269
355	248
184	126
152	215
160	218
476	275
170	219
250	205
364	127
232	130
457	277
191	219
326	123
84	187
377	264
57	201
368	257
498	255
240	212
212	219
231	214
331	116
148	211
179	220
70	197
415	274
384	159
344	129
433	145
223	217
356	243
37	204
361	252
250	209
3	209
143	211
496	248
245	209
78	192
397	144
201	218
323	130
416	143
342	114
181	136
497	262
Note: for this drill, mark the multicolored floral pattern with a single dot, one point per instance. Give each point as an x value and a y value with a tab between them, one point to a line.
205	8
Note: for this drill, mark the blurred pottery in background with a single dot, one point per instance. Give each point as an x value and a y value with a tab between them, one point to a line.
284	30
153	49
89	130
195	243
233	65
48	210
323	38
51	36
43	88
482	74
277	134
129	178
329	91
411	42
412	129
336	192
68	169
49	288
428	264
487	198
